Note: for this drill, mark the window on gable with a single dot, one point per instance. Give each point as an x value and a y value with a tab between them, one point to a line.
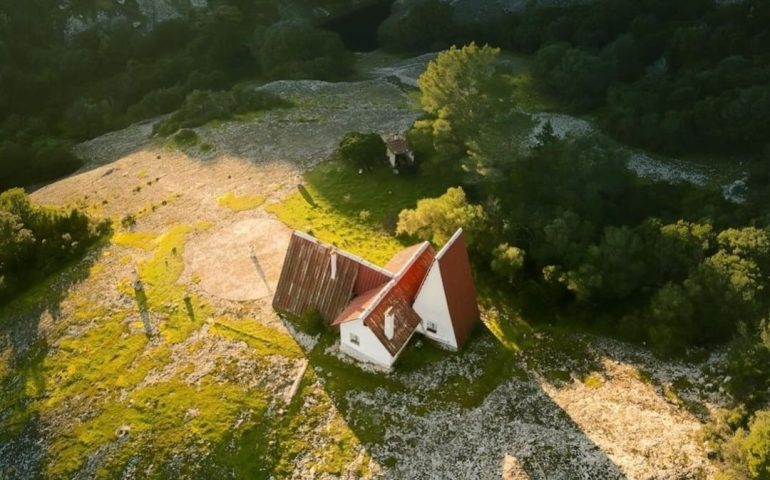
432	328
354	339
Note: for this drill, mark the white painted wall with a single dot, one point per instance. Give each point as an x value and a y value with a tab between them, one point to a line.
431	306
369	348
392	159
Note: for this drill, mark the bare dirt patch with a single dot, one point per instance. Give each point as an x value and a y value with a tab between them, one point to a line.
241	261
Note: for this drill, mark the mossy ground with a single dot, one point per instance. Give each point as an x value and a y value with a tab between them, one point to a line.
355	212
240	203
88	378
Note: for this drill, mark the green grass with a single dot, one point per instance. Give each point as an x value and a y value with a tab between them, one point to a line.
334	196
593	380
93	367
265	340
240	203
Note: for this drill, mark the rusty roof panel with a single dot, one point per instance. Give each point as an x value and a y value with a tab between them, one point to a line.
457	277
306	282
402	258
399	296
369	278
358	306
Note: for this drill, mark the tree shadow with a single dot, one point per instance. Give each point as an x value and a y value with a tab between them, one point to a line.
306	195
442	420
260	271
24	349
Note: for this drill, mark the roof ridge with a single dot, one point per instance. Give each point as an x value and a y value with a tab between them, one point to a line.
344	253
394	281
449	243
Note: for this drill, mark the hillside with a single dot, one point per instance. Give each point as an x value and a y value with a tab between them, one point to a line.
86	393
608	162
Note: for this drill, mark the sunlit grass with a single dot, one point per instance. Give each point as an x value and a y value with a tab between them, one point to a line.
240	203
355	212
263	339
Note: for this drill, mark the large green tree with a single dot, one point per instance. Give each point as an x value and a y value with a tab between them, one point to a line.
436	219
457	88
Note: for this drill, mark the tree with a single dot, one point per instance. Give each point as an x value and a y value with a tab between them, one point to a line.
508	261
299	50
362	150
426	25
436	219
456	87
748	451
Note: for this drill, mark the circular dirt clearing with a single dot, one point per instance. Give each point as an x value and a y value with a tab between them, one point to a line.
241	261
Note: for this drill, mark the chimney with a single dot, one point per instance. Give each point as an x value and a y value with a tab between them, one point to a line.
334	265
389	323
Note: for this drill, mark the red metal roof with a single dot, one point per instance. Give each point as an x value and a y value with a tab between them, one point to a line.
369	278
306	283
457	277
398	297
306	278
402	258
358	306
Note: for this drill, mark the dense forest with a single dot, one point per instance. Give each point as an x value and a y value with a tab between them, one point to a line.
59	90
581	241
683	77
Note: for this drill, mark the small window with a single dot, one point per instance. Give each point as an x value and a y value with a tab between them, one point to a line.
354	339
432	327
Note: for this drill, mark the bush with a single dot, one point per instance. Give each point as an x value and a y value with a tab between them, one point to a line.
43	160
186	138
34	240
747	453
362	150
201	107
427	25
310	322
300	51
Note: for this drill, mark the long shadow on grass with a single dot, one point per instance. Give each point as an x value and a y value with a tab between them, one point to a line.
447	415
24	350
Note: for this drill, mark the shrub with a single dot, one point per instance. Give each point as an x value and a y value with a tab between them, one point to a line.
299	50
362	150
34	240
310	322
747	453
202	106
186	138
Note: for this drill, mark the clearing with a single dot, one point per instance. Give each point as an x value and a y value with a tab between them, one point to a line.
85	393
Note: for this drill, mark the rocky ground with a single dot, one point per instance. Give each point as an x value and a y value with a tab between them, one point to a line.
231	377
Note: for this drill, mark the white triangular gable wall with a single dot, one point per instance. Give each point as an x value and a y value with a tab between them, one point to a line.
431	305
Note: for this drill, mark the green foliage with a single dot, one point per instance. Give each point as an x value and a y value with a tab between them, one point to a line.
201	107
186	138
748	366
747	452
455	88
436	219
690	78
310	322
298	50
333	195
425	25
362	150
576	76
34	241
44	159
508	261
